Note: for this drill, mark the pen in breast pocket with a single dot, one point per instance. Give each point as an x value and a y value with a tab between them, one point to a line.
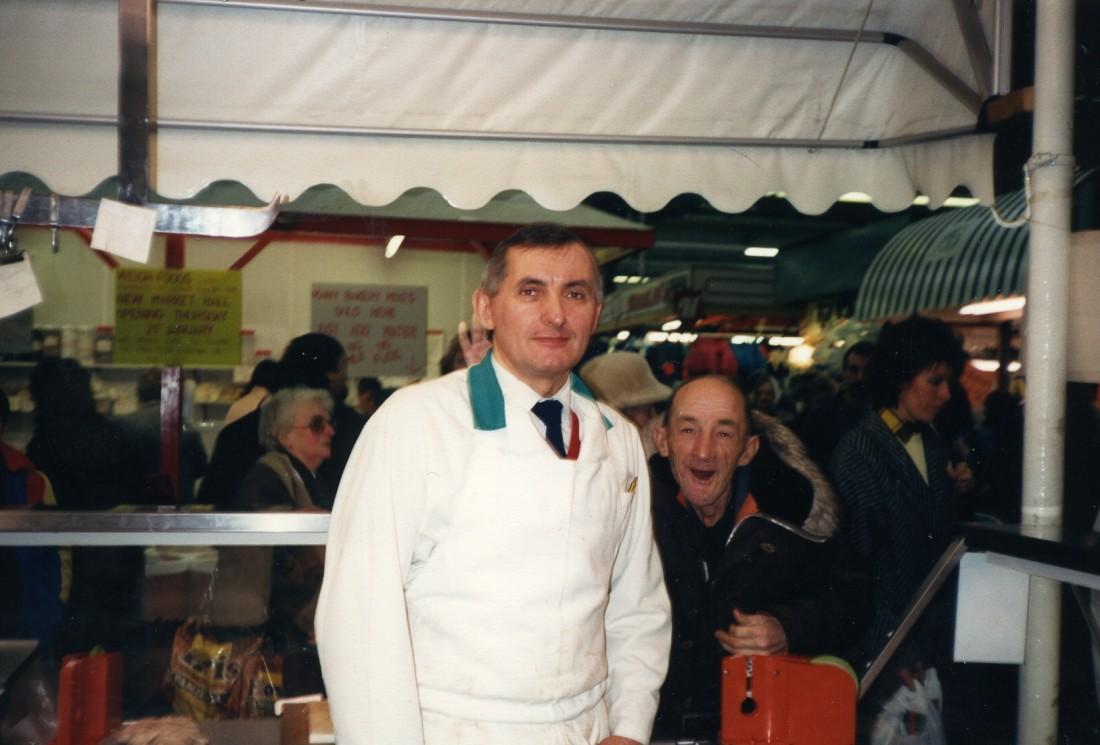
632	484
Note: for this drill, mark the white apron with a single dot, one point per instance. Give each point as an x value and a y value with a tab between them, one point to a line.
506	602
478	587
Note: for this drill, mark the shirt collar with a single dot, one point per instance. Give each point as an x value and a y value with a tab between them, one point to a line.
519	393
902	430
487	397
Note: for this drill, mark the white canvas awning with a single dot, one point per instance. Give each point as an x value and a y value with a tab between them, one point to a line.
475	97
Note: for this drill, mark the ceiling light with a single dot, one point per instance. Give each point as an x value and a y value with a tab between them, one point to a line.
743	339
855	197
393	244
922	200
961	202
633	280
672	325
1001	305
785	341
656	337
994	365
619	279
766	252
623	335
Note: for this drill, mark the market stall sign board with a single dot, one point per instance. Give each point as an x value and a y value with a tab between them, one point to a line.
177	317
383	327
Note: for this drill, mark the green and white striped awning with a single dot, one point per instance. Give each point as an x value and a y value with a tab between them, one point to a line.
946	261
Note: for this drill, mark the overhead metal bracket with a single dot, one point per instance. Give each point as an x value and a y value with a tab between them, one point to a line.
219	222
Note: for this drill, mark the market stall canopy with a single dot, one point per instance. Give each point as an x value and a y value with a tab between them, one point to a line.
557	98
946	261
954	258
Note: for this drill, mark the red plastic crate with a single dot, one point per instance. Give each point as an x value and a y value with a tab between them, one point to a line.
788	700
89	698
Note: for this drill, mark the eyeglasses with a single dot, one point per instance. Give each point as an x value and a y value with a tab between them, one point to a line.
316	424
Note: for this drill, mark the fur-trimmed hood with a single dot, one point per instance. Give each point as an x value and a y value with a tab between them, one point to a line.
781	470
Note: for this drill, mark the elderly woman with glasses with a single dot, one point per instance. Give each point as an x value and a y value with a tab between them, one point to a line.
296	429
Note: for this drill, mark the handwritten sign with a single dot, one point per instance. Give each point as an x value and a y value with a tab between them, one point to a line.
177	317
382	327
18	287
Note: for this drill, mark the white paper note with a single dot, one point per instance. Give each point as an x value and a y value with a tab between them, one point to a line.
991	616
18	288
124	230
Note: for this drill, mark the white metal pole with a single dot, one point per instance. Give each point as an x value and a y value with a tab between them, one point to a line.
1051	168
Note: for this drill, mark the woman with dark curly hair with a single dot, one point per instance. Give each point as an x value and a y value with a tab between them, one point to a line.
893	474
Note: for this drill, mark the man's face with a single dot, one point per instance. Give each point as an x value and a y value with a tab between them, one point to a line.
923	396
338	380
367	406
543	314
705	439
855	370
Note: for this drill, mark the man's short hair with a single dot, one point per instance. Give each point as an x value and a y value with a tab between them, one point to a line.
371	385
730	383
860	349
905	349
308	359
544	235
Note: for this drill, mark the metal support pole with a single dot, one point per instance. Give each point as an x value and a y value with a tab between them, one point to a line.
1045	355
134	40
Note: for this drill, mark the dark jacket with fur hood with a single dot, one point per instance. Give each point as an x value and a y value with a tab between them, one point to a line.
785	560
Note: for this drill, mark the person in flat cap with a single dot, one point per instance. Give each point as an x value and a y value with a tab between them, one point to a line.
625	381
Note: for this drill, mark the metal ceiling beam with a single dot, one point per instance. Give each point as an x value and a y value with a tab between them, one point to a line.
922	57
1002	46
381	228
977	47
47	118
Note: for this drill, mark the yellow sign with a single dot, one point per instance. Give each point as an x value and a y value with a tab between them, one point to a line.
177	317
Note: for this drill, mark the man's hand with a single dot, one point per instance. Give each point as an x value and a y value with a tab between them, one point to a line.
753	633
474	341
616	740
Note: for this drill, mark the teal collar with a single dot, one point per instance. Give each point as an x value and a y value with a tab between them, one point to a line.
487	400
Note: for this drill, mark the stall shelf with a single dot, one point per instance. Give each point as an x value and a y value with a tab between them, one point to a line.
42	528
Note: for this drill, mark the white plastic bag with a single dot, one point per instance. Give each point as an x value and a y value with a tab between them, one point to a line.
912	716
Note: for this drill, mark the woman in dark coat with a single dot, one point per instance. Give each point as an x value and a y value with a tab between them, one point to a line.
89	461
893	474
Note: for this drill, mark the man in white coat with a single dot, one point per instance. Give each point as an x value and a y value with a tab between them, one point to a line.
491	574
